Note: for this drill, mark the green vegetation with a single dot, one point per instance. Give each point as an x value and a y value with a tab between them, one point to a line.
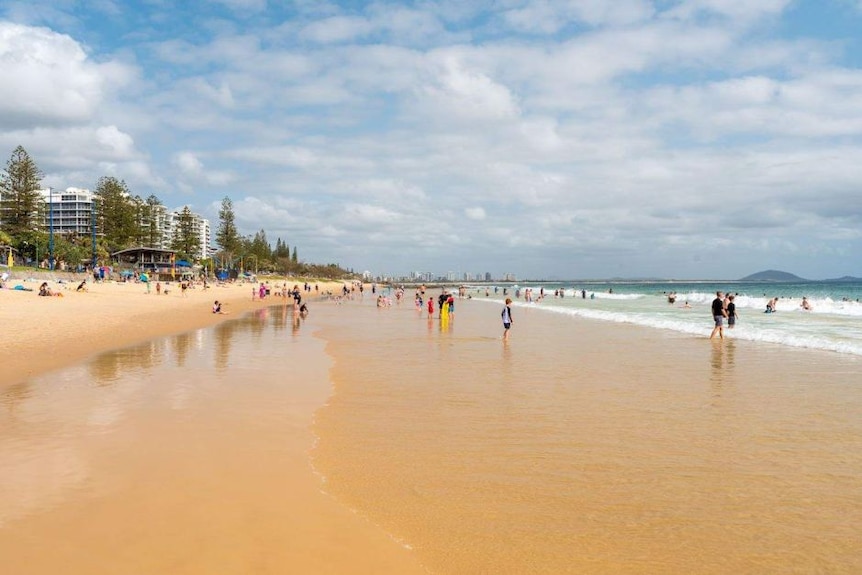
124	220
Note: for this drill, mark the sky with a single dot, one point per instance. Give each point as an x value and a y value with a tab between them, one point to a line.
568	139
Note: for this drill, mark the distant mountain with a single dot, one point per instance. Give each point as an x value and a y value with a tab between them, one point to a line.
772	276
845	279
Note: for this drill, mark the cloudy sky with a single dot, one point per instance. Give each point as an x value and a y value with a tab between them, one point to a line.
545	138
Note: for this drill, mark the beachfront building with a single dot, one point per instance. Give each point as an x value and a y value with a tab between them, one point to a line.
68	211
152	260
201	227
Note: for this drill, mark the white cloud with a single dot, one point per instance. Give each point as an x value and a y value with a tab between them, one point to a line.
47	78
595	130
475	213
549	17
192	170
189	164
469	93
115	143
336	29
734	10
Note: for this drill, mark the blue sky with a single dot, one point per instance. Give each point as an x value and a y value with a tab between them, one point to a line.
556	139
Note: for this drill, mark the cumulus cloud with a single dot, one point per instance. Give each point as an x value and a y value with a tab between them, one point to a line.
192	170
48	79
465	92
582	130
188	163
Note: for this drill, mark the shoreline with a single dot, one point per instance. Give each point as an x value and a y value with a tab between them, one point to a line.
203	437
43	334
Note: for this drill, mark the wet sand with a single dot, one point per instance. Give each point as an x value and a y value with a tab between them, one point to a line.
578	447
185	454
590	447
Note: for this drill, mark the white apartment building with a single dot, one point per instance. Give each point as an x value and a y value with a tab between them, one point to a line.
201	227
71	211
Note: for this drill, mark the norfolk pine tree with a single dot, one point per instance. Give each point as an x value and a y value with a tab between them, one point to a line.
227	236
186	242
21	204
116	214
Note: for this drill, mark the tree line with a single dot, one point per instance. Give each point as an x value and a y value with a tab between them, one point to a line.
124	220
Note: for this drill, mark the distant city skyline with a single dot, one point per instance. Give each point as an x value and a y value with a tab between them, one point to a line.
684	139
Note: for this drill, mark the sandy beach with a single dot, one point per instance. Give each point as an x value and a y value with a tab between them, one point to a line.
381	440
43	333
74	502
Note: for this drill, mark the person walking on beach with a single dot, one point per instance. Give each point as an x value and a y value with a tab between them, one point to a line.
507	319
718	314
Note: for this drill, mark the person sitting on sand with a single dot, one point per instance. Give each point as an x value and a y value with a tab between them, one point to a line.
217	307
82	286
303	311
44	290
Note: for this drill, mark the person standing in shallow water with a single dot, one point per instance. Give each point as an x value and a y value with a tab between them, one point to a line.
718	314
507	319
731	312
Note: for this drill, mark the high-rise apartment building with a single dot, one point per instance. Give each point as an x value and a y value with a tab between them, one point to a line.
71	211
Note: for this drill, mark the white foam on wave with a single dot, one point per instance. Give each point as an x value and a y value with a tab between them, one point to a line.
576	293
791	335
785	304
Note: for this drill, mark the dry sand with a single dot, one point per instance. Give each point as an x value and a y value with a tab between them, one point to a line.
39	334
285	523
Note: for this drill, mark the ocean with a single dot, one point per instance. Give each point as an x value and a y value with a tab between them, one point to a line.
833	322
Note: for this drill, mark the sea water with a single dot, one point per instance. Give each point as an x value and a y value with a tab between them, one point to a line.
833	322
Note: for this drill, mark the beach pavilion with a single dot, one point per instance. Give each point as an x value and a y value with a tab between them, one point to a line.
159	263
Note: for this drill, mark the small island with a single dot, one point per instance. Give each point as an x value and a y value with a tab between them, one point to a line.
773	276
